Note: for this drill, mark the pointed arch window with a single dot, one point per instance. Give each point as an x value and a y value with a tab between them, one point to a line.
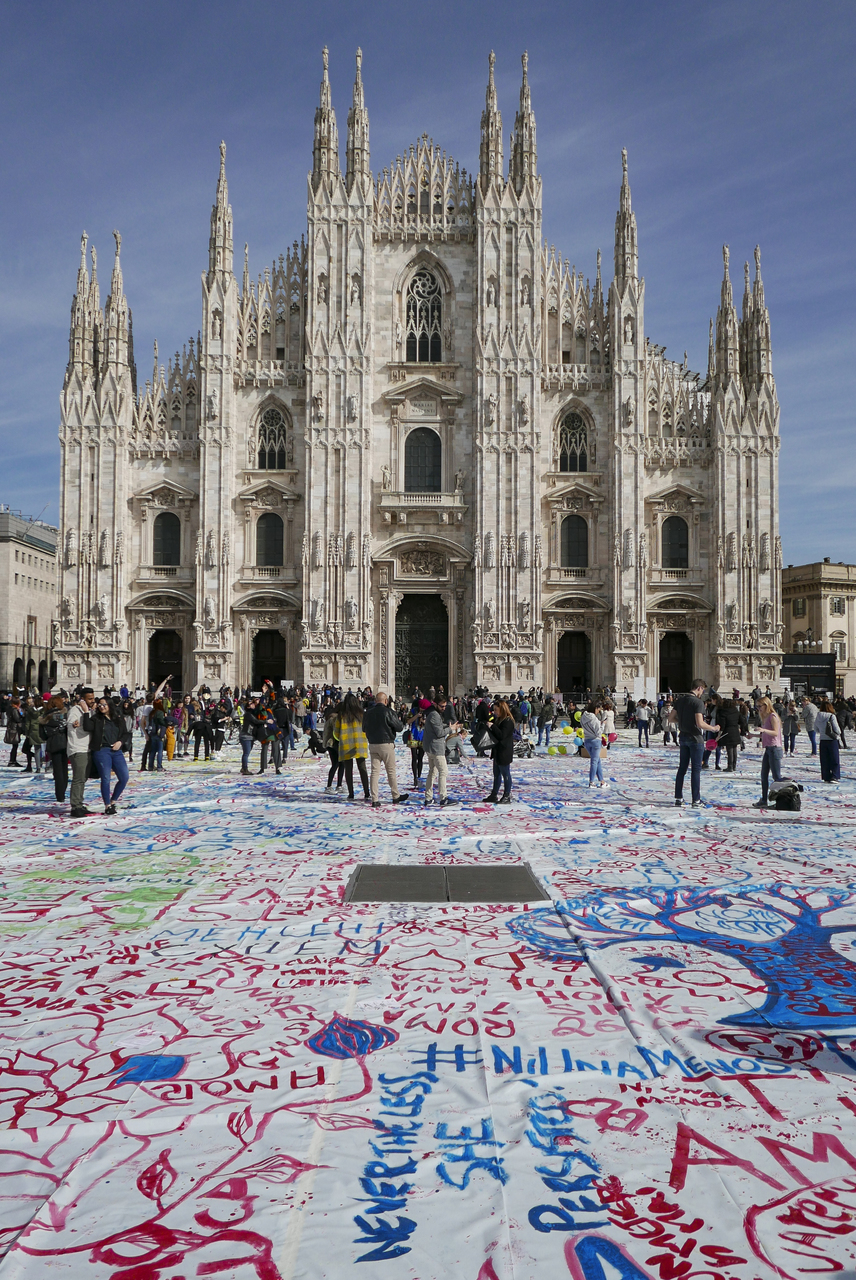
424	319
573	443
272	448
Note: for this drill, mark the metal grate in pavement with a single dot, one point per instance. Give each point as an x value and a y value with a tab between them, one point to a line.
371	882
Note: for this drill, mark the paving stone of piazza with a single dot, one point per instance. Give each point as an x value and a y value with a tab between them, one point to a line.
211	1065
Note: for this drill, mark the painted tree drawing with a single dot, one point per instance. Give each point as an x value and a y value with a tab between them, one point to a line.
782	933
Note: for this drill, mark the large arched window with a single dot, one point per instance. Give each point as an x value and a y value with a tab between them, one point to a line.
424	318
269	540
272	446
423	456
574	543
676	543
167	539
573	444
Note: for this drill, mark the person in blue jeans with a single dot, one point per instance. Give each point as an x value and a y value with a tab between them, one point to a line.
545	721
592	738
109	740
251	727
688	714
643	718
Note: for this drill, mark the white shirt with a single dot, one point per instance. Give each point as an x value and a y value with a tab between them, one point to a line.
78	737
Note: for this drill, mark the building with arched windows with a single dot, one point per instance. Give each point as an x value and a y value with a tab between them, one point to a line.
420	448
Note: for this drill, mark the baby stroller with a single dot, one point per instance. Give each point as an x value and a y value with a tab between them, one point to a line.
523	748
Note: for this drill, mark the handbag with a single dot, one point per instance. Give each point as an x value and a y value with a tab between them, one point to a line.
829	732
483	741
11	737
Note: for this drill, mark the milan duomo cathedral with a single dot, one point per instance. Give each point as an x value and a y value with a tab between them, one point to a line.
420	448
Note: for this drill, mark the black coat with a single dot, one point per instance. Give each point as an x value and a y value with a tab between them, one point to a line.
502	732
728	719
106	730
253	726
381	724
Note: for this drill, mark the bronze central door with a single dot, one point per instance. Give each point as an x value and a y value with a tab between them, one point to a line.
421	644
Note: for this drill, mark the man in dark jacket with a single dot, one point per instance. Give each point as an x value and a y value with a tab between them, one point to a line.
380	725
434	738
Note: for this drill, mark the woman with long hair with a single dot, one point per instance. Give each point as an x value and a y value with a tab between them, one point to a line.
771	745
156	729
592	728
502	733
828	732
352	743
109	738
130	717
331	746
728	719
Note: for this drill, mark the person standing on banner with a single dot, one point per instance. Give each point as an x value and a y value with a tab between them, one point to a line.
592	735
380	726
502	733
828	734
79	737
434	741
688	714
771	745
808	713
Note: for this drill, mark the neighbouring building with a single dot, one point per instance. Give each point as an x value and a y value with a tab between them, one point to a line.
421	447
819	603
28	593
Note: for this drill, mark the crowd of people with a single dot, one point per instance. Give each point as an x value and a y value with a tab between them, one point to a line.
79	737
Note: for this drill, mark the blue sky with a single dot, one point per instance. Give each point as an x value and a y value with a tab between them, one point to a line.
738	119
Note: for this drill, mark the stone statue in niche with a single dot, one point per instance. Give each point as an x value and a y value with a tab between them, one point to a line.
525	615
765	610
216	325
459	482
490	615
524	410
398	333
318	406
386	477
629	412
316	614
491	408
350	614
322	290
491	294
731	617
208	614
352	408
524	294
628	330
355	292
100	611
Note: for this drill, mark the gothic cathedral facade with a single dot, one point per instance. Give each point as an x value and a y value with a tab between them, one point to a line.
420	448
